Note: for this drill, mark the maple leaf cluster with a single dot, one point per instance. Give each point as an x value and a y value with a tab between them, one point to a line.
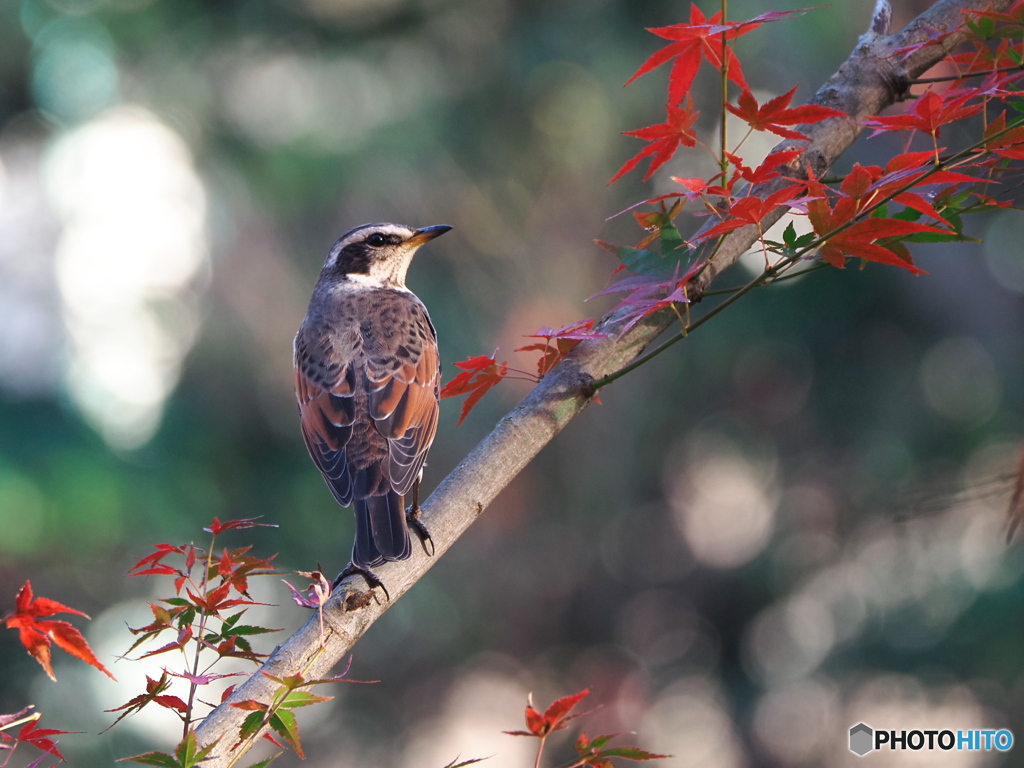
482	373
29	733
201	617
207	587
871	215
558	342
279	715
703	40
37	633
593	752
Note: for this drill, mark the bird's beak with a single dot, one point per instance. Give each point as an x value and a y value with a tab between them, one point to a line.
426	234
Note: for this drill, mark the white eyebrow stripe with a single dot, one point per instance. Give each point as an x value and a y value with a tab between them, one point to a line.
360	233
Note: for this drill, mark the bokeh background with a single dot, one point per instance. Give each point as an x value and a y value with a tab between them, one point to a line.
789	523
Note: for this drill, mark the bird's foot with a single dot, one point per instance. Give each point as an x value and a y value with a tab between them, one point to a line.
371	578
414	517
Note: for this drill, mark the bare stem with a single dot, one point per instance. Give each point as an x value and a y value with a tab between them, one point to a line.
723	162
540	751
954	78
192	687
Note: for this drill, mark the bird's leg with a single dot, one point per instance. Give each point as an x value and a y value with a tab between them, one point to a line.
371	578
414	517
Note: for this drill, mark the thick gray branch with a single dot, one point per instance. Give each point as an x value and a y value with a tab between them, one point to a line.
869	81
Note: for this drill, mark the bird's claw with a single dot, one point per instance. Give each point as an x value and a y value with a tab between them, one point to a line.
414	517
371	578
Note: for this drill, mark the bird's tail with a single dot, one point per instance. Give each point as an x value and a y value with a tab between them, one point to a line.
381	530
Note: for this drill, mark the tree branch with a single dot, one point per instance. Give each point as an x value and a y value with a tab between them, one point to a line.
870	80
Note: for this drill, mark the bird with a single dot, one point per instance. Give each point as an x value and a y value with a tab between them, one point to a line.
367	382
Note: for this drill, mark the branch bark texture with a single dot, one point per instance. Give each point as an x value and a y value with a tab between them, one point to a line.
871	79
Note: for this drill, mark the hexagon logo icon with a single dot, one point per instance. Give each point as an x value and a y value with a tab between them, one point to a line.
861	739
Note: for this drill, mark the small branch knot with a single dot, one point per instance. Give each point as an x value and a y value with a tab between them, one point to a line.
357	600
895	79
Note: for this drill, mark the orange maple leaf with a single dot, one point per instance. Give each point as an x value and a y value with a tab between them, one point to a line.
36	631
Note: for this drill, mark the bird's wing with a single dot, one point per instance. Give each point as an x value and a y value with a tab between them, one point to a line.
326	395
403	373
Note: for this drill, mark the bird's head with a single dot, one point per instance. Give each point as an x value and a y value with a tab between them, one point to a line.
378	252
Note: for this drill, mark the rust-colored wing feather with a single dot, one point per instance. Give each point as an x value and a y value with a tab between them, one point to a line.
327	412
405	409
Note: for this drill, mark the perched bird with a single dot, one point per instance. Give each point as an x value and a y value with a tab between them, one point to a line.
367	379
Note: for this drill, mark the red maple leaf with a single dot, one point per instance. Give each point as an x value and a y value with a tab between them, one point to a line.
554	717
665	139
935	38
597	754
578	331
692	43
983	59
774	114
216	601
185	634
36	632
202	679
694	186
151	564
550	355
1005	143
316	594
866	186
766	171
154	693
217	527
647	294
479	375
1013	17
751	210
163	619
39	738
916	169
236	567
929	113
701	39
859	239
564	338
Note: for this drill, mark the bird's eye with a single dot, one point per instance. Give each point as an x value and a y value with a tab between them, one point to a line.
376	240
